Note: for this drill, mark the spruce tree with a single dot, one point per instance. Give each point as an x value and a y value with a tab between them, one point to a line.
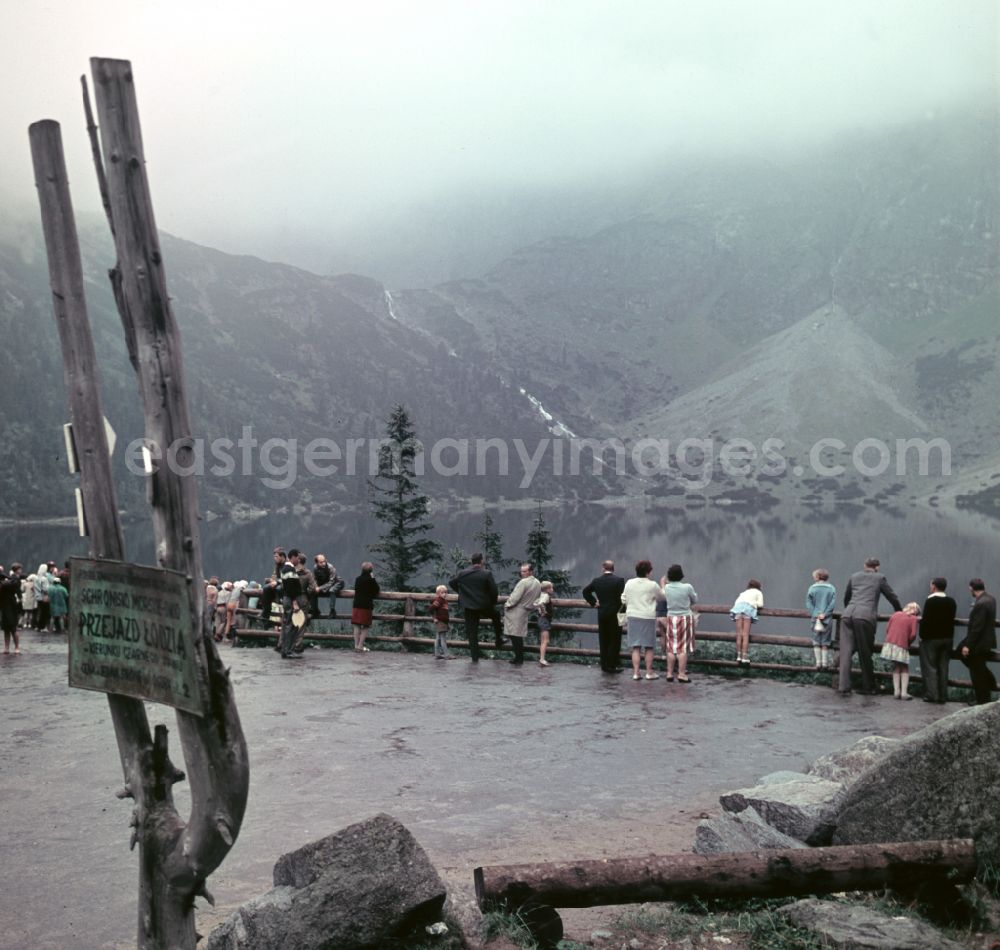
450	562
539	555
490	542
397	502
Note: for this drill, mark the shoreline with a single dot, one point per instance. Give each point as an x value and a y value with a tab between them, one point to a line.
478	504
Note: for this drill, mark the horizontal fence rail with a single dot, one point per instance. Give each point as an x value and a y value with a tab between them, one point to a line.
409	619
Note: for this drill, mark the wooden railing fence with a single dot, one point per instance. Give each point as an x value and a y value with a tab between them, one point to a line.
410	619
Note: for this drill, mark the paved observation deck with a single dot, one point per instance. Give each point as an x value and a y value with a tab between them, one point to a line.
485	763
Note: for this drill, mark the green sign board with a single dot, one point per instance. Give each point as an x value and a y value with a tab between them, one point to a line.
130	633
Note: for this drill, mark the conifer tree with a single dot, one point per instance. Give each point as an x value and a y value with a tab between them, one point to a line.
490	541
397	502
539	555
450	562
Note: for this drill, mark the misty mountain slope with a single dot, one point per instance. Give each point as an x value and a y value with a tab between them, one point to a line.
691	307
957	387
586	322
824	377
269	348
896	228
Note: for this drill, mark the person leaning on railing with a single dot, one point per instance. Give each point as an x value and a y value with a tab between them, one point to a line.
605	593
477	598
678	623
980	641
366	589
821	601
328	584
858	621
640	597
937	632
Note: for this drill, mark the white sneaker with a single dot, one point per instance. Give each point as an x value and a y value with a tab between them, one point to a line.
543	662
636	676
652	676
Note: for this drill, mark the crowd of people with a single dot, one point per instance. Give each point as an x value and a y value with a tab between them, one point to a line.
641	609
38	601
290	596
665	612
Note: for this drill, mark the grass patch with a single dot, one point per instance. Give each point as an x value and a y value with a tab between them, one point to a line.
752	923
501	923
988	874
761	653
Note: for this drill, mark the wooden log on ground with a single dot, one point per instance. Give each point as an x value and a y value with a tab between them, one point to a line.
778	873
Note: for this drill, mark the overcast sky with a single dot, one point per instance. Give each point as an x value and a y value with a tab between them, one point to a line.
259	116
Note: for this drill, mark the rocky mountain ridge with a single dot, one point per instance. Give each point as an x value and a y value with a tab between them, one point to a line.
853	294
273	354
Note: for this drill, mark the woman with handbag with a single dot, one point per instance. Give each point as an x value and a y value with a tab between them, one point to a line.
679	624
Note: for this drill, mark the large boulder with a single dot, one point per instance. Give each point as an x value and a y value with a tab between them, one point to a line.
352	890
858	927
846	765
798	805
742	831
941	782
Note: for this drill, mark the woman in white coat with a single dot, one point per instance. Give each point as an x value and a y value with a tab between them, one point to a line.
640	597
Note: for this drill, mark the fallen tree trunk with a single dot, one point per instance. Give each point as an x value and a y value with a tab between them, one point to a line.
778	873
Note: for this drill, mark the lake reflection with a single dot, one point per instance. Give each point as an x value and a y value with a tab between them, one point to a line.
718	549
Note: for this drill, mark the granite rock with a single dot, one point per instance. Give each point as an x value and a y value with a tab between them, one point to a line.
847	765
856	927
742	831
798	805
940	782
352	890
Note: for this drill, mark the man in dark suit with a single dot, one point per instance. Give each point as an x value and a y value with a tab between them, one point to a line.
477	597
980	641
857	623
605	593
937	630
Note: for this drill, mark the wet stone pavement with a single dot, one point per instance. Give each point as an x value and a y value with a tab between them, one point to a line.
484	763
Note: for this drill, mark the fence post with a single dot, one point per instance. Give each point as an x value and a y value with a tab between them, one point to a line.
409	612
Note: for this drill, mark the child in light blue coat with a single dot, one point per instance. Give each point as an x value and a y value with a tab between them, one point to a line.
821	599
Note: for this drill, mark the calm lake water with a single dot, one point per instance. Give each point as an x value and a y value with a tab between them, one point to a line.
719	549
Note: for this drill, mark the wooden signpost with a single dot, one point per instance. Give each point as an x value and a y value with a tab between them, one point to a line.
138	632
130	633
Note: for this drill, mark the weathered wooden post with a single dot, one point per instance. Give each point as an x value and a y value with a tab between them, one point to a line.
182	855
175	857
96	483
409	612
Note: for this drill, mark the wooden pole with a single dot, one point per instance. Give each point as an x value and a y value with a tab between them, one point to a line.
80	373
409	613
778	873
182	855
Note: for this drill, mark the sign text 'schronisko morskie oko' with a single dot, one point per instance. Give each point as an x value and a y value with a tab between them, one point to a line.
130	633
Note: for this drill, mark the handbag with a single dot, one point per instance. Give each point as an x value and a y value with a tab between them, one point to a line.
622	619
819	626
